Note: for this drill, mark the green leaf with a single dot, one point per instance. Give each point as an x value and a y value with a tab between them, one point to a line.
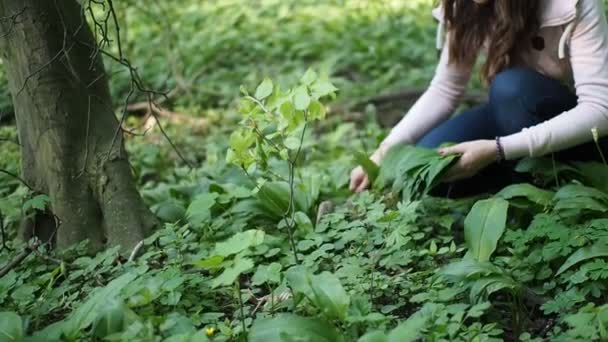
110	318
309	77
264	89
210	263
11	327
289	327
316	111
483	227
199	210
39	202
371	169
599	249
274	198
324	290
330	296
322	88
412	328
240	242
301	99
532	193
267	274
87	312
230	274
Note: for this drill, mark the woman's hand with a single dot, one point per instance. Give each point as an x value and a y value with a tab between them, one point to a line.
358	178
475	156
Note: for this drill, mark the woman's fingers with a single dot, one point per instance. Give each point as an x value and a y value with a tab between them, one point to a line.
356	177
363	185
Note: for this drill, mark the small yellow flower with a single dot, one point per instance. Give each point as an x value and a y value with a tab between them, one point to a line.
210	331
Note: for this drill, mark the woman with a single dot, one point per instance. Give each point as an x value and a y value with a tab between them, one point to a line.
547	67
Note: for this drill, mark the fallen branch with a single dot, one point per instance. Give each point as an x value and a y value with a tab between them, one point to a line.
409	95
19	259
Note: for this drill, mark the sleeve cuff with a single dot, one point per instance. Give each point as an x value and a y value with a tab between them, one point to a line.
515	146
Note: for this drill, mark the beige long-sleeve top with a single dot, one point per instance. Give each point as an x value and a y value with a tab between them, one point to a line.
576	52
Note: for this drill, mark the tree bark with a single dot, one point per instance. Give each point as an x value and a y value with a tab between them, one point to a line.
71	149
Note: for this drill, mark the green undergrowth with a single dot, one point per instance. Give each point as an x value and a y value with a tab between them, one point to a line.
261	239
263	242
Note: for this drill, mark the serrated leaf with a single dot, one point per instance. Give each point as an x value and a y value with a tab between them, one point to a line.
38	202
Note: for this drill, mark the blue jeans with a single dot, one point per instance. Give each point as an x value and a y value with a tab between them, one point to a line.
518	98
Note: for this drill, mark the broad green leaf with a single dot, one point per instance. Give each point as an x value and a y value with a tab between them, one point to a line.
289	327
239	242
230	274
11	327
292	143
324	290
529	191
599	249
330	296
264	89
370	168
110	318
213	262
301	99
412	328
170	211
86	313
274	198
483	227
374	336
199	210
309	77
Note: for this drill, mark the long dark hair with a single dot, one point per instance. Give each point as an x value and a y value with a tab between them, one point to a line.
503	24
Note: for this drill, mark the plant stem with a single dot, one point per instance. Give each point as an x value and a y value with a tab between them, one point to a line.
240	297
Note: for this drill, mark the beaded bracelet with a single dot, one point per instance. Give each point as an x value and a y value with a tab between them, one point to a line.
500	152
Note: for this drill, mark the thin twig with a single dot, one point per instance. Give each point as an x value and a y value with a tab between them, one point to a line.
136	250
21	180
19	259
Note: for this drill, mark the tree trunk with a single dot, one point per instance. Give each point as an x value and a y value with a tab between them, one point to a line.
67	128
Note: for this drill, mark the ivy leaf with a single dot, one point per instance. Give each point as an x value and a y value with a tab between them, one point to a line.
599	249
483	227
11	327
228	277
264	89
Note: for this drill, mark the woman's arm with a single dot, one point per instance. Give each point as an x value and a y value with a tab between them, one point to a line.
434	106
589	60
